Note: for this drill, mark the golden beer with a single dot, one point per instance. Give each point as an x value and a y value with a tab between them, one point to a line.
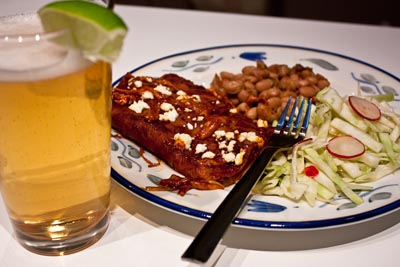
55	149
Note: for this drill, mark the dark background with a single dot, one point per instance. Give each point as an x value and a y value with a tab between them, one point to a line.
374	12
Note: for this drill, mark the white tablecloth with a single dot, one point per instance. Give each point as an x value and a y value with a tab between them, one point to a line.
142	234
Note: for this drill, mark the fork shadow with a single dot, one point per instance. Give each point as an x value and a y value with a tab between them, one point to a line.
255	239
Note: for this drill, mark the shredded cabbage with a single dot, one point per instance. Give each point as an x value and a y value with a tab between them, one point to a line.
333	116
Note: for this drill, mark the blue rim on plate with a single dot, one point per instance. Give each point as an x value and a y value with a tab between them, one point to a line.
262	224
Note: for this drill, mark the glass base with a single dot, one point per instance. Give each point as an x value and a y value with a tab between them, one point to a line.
65	246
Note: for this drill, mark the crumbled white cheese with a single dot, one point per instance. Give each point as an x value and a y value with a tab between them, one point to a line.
229	157
166	106
231	145
188	110
219	133
196	98
163	89
189	126
247	136
262	123
147	95
185	139
230	135
170	115
180	92
233	110
138	106
250	136
138	84
181	97
200	118
200	148
239	158
208	155
149	79
222	145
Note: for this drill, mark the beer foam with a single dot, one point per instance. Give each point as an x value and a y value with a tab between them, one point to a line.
30	55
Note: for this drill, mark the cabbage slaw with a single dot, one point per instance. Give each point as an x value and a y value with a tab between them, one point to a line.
285	175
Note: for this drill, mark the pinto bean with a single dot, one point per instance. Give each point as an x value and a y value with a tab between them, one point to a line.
231	86
268	113
264	84
303	82
306	73
312	79
234	101
322	83
270	110
252	113
288	93
307	91
273	75
243	95
274	102
272	92
283	70
243	107
262	91
253	92
248	85
248	69
258	73
226	75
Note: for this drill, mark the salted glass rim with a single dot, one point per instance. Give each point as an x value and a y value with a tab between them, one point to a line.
35	36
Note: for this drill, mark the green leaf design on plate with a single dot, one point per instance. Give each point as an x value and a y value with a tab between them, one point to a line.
201	69
389	90
369	78
180	64
204	58
124	162
133	152
348	205
114	146
322	63
154	179
380	196
367	89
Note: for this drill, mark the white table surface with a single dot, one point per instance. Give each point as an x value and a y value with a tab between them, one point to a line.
142	234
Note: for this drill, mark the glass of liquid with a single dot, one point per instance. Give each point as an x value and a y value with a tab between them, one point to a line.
54	139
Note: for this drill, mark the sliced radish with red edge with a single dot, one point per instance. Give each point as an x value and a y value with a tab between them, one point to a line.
346	147
365	108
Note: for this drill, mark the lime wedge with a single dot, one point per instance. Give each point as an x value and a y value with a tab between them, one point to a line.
94	29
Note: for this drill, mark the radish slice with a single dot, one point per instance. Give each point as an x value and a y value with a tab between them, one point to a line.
366	109
346	147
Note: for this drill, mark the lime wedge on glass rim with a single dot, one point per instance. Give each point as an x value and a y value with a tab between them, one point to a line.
94	29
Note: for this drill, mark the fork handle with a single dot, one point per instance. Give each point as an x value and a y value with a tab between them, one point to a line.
209	236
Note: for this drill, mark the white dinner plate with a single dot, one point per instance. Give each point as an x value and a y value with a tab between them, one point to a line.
346	74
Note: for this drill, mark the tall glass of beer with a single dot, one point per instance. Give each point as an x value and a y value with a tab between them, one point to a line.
54	139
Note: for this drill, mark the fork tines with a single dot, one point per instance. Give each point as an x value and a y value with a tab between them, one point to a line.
285	124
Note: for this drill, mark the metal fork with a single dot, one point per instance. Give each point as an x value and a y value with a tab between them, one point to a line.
287	133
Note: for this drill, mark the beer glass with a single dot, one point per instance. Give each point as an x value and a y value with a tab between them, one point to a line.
54	139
